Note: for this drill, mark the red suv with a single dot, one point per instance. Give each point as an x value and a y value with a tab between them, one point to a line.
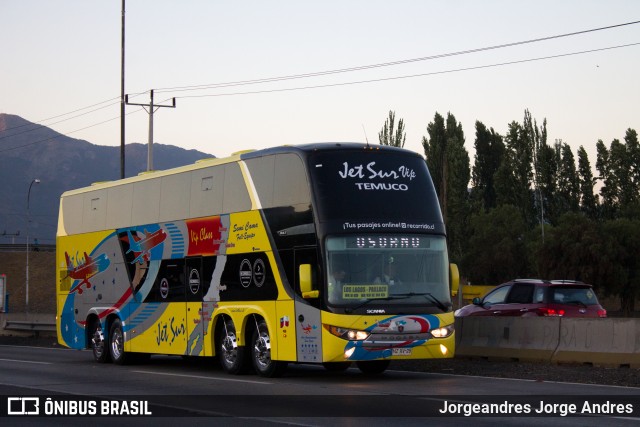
533	297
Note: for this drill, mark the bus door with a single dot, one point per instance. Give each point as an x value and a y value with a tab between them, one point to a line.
194	290
307	317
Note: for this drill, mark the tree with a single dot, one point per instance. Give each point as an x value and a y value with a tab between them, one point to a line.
390	136
568	193
572	250
489	151
545	170
617	172
448	162
588	202
514	176
435	147
622	237
633	148
609	189
496	249
458	195
621	167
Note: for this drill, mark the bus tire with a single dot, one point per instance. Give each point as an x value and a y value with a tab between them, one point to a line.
116	344
264	365
99	343
373	367
232	356
336	366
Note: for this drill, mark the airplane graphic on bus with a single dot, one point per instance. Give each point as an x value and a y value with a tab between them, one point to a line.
141	246
85	270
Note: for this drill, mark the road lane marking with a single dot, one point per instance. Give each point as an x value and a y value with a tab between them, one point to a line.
435	374
202	377
34	347
26	361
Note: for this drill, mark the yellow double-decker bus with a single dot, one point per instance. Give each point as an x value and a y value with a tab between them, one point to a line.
321	253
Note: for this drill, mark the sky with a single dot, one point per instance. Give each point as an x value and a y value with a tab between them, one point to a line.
61	67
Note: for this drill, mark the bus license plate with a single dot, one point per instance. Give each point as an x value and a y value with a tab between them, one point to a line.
401	352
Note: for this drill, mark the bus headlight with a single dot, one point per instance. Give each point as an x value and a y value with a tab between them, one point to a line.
442	332
347	334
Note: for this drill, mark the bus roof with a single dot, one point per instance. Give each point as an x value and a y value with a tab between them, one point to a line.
240	155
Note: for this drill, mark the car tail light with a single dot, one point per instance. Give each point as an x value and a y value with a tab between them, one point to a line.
552	312
602	312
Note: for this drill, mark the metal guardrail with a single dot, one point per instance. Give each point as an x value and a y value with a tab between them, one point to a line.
29	326
22	247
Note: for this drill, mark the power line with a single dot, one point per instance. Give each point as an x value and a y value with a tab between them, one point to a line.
387	64
40	124
68	133
382	79
65	114
344	70
352	83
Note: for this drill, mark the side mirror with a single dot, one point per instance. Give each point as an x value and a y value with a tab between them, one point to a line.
455	279
304	275
477	301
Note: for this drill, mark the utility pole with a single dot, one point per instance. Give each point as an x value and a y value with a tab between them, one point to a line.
122	99
26	303
151	109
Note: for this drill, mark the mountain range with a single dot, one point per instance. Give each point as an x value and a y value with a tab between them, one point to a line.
31	151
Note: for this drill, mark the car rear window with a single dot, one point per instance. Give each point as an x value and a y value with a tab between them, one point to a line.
573	295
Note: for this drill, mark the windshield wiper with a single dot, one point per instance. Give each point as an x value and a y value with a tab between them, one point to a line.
439	303
427	295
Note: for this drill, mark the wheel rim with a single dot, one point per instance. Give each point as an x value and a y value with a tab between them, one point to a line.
229	348
117	344
97	342
262	350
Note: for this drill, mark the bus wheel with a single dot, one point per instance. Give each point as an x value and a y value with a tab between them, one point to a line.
373	366
232	356
261	353
336	366
116	347
99	345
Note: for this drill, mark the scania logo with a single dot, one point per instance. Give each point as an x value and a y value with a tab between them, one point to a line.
376	311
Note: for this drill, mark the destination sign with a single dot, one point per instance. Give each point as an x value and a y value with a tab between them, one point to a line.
387	242
365	291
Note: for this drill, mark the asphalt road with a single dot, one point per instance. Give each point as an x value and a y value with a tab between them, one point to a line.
176	390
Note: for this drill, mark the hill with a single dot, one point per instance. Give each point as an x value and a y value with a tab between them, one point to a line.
29	151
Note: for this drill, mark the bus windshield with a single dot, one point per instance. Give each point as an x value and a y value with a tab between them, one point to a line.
387	270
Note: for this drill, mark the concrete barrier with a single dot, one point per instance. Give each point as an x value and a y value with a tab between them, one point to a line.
518	338
601	342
